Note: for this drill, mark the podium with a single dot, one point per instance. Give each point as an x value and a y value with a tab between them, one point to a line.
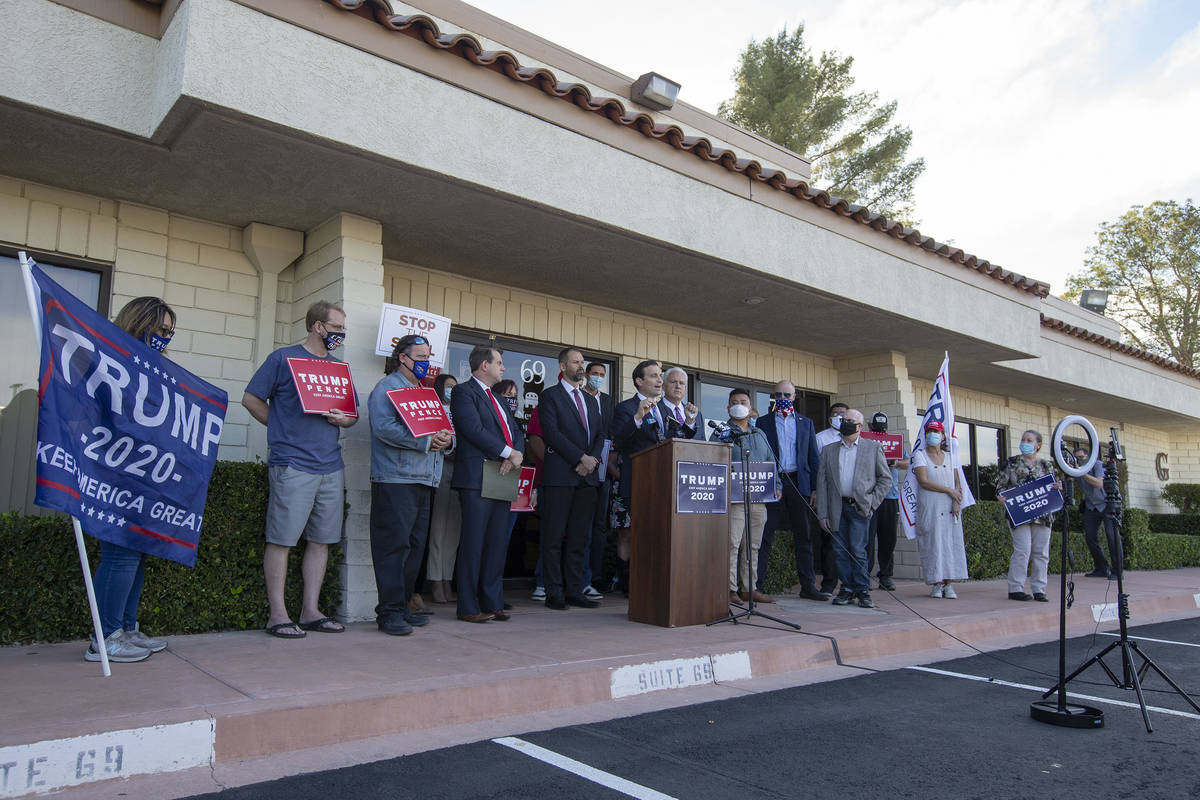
678	561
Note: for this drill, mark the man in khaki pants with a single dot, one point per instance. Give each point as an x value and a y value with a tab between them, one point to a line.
759	448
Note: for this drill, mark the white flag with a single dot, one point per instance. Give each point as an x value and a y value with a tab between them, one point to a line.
940	408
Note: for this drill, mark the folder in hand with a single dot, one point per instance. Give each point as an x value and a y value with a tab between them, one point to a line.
496	486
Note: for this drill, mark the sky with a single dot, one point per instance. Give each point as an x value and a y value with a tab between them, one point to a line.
1037	121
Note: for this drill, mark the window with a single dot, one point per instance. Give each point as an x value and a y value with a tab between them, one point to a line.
713	391
20	368
981	450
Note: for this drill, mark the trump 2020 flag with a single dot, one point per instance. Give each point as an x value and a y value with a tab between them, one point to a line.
126	439
941	408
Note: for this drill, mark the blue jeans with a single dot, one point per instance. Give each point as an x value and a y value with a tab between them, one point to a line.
118	584
851	546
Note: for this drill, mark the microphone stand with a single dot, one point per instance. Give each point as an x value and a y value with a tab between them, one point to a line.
737	435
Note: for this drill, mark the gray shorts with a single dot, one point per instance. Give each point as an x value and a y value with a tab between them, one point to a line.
302	503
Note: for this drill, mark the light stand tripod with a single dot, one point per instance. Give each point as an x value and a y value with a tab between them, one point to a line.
737	436
1131	676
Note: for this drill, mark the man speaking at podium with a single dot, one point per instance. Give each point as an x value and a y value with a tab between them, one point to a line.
573	429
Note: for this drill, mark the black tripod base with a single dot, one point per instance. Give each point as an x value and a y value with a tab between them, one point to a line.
1070	716
744	618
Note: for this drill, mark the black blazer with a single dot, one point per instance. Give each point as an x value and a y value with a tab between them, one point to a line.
566	439
808	458
479	437
629	438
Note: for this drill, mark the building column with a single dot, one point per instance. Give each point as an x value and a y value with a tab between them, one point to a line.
343	263
880	382
270	250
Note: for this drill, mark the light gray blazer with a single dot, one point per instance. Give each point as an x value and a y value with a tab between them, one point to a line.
872	480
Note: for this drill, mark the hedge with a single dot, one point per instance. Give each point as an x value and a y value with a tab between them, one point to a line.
42	597
1184	524
989	547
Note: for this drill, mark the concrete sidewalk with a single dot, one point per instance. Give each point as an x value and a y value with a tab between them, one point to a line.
214	701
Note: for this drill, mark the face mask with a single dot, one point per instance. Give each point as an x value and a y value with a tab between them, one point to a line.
511	402
1028	448
420	369
739	411
595	382
334	340
783	404
446	394
159	343
933	439
835	421
848	428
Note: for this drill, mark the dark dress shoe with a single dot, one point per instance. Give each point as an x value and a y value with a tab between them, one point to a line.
887	585
395	626
557	603
810	593
475	617
845	597
581	601
864	600
508	606
828	588
1097	573
1041	598
1019	596
500	616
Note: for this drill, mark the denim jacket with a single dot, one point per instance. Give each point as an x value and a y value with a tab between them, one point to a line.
396	455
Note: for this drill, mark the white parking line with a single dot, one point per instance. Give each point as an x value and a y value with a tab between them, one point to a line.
1148	639
1170	711
582	770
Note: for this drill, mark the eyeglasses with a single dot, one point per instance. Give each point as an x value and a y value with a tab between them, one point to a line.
333	328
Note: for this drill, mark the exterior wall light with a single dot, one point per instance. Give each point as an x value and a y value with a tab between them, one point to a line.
654	91
1094	300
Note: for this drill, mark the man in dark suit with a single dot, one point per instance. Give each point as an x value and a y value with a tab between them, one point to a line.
794	442
486	431
683	419
573	429
637	424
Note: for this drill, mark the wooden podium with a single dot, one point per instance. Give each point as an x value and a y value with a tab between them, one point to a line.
678	562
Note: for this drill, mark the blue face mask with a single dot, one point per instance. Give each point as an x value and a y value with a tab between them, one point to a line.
511	402
595	382
420	369
158	343
1028	448
933	439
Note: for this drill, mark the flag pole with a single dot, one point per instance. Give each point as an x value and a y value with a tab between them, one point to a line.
31	297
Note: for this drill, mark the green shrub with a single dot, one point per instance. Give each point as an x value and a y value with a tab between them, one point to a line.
1184	496
42	597
1184	524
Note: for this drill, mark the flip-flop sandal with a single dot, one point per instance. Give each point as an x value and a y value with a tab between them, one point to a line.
323	625
278	630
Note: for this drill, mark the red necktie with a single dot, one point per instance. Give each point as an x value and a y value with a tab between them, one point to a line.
500	415
582	413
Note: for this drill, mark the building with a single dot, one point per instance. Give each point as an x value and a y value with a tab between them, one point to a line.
243	158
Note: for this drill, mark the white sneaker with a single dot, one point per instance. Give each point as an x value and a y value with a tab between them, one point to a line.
119	649
539	593
136	636
591	594
949	593
937	590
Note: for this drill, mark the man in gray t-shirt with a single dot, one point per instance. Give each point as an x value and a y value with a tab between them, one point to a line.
305	470
1094	503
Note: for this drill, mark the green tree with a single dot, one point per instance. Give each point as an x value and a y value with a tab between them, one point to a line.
807	105
1149	262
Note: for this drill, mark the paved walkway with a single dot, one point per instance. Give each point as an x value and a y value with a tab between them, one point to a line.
230	699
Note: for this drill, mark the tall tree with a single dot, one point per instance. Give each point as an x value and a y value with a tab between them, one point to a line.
807	105
1149	262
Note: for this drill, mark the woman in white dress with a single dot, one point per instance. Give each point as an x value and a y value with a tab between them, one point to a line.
939	518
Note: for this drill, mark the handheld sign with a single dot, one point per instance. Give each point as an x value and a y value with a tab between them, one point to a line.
701	488
762	482
324	384
127	439
524	501
421	410
892	443
396	322
1029	501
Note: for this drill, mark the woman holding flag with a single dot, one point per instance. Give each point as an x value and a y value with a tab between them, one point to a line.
118	578
1032	538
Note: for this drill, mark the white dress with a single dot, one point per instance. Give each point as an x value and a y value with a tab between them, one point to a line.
939	533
